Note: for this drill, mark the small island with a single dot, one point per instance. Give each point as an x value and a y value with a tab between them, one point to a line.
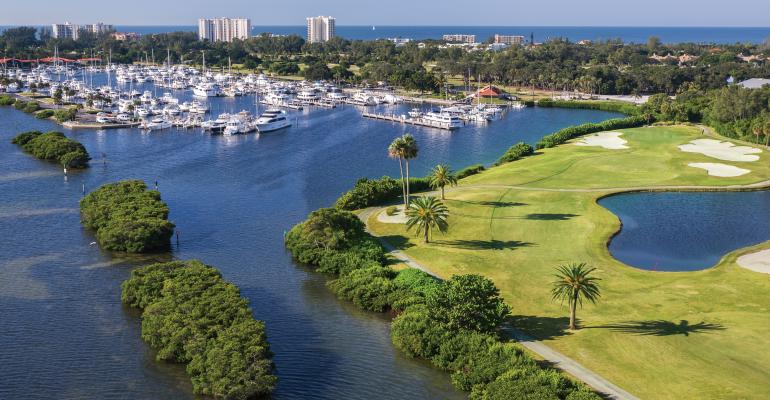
191	315
127	217
54	146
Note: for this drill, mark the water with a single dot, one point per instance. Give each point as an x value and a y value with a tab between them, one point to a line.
65	333
719	35
682	231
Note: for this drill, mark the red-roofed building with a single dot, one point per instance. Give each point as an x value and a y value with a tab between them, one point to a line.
489	91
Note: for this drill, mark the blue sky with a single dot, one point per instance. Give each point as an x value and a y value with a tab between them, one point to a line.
396	12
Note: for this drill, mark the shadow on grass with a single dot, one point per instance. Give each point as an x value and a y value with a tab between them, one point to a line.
483	244
550	217
493	203
662	327
397	241
541	328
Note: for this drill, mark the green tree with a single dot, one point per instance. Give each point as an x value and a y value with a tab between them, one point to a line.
426	214
468	302
442	176
409	152
395	150
573	284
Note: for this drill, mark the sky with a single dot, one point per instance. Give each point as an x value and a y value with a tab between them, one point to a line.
750	13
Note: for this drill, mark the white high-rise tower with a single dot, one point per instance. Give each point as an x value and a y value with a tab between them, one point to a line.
320	29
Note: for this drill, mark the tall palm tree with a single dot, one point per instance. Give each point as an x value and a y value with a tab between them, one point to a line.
574	284
409	151
395	150
442	176
426	214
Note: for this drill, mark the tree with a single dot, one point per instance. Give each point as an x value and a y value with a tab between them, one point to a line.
395	150
468	302
574	284
426	214
409	152
653	42
442	176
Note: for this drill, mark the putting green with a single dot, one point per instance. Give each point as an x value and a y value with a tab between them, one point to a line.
695	335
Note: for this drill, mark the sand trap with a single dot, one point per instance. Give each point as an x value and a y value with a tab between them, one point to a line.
607	140
757	262
721	170
397	218
721	150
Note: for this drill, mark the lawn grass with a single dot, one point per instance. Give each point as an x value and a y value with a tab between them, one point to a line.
688	335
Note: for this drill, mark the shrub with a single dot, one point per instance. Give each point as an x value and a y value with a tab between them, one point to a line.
127	217
369	288
416	334
572	132
44	114
613	106
6	100
54	146
457	351
65	114
515	152
191	315
370	192
485	367
391	211
472	170
468	302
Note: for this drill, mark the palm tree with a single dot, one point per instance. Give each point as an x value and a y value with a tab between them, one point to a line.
395	150
409	151
426	214
442	176
574	284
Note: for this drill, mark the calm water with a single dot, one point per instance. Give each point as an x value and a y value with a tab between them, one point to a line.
682	231
541	33
64	331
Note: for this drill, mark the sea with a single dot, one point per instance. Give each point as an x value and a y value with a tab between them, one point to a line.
637	34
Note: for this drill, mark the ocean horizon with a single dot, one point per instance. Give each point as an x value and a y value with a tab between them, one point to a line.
640	34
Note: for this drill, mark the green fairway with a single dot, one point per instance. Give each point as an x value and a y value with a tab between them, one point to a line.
692	335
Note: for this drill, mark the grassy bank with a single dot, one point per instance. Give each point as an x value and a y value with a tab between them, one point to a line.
658	335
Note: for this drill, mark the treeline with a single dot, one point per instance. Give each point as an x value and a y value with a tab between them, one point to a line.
191	315
127	217
607	67
453	324
54	146
612	106
733	111
563	135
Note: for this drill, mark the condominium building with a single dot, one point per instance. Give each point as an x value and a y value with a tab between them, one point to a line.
224	29
65	31
72	31
320	29
506	39
460	38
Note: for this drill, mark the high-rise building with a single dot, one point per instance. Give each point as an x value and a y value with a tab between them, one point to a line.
505	39
460	38
98	28
65	31
320	29
224	29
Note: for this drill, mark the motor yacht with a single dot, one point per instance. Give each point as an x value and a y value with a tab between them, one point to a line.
272	120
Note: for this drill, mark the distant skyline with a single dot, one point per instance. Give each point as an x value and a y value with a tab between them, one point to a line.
686	13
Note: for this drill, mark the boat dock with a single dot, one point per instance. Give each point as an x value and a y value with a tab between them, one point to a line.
407	120
96	125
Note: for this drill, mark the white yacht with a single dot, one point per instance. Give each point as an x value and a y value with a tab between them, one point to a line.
198	108
272	120
307	95
234	126
156	124
364	99
206	90
442	120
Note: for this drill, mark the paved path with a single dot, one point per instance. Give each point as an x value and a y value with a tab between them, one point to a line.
557	359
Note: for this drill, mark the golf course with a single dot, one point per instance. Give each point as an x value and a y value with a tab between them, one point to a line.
658	335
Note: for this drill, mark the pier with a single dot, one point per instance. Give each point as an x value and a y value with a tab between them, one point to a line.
408	121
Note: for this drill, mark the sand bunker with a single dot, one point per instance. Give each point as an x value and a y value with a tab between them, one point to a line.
721	150
757	262
397	218
721	170
607	140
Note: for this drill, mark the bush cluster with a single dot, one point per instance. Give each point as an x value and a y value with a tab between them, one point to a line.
65	114
572	132
6	100
192	315
613	106
127	217
471	170
370	192
26	106
453	324
53	146
44	114
515	152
